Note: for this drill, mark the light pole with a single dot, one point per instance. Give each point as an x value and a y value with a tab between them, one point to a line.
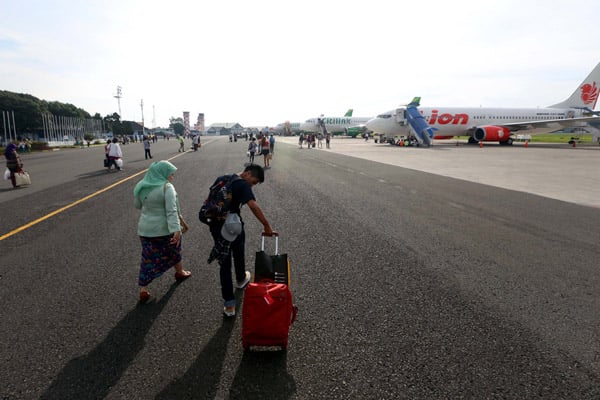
118	97
143	129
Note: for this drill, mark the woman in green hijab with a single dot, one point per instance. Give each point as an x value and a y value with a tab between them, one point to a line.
159	226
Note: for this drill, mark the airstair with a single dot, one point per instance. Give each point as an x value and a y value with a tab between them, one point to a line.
421	129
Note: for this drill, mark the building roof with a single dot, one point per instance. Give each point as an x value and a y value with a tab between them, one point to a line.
226	125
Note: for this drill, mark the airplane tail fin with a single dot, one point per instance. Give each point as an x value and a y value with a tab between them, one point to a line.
416	102
586	94
349	113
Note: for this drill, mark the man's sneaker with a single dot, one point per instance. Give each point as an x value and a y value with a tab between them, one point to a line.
245	282
229	311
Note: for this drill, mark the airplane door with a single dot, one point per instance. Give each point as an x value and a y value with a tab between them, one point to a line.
400	116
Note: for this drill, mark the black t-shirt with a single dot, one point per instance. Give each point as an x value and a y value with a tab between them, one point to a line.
241	193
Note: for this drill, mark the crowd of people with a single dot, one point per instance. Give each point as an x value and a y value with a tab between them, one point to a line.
314	140
263	144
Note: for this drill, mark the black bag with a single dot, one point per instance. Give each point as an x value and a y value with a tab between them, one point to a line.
216	205
106	162
274	267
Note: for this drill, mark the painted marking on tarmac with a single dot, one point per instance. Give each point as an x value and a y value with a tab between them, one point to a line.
77	202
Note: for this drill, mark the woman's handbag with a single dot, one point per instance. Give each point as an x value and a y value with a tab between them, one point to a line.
22	178
184	226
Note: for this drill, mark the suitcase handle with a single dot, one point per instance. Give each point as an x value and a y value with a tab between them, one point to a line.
262	245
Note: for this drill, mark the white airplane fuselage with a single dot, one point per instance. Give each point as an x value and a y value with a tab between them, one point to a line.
333	124
458	121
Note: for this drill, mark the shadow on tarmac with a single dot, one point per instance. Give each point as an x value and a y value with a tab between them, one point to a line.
263	375
201	380
93	376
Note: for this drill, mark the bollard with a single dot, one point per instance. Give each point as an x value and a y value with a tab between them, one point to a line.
480	144
526	143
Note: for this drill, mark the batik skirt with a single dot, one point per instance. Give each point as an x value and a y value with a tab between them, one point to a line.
158	255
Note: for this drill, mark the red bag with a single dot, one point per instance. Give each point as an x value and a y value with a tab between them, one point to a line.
267	313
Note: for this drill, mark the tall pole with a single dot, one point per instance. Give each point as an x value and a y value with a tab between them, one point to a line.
143	129
153	119
4	126
118	97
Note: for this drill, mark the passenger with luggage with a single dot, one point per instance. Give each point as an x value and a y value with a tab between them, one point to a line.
229	238
13	162
115	155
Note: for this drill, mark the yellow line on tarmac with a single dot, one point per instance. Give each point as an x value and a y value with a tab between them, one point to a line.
53	213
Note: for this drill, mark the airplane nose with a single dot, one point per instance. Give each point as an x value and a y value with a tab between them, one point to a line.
372	124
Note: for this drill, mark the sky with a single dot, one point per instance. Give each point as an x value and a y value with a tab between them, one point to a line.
263	62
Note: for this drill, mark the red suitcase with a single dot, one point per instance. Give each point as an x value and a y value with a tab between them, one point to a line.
267	313
268	310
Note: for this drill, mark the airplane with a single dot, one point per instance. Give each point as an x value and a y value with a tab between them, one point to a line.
294	127
498	124
347	124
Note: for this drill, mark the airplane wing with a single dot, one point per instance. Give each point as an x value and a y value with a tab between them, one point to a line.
549	124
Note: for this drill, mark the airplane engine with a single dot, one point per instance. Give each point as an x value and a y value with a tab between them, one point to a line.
492	133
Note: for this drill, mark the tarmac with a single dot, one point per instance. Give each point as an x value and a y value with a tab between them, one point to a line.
557	171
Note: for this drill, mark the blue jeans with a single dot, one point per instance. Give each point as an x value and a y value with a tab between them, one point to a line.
237	251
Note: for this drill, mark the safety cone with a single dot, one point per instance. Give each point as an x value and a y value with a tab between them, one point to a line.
480	144
527	143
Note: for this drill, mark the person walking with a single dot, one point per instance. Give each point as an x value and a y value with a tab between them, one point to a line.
114	154
147	153
224	249
160	226
181	144
252	150
264	150
13	162
106	150
271	146
196	142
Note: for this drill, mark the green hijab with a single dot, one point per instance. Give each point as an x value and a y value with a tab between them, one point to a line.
156	176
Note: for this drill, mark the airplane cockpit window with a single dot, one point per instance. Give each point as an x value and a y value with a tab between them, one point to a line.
384	116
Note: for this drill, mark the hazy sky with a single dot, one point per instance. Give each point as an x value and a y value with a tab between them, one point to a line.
262	62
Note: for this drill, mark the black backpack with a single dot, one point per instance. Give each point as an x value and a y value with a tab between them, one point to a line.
216	206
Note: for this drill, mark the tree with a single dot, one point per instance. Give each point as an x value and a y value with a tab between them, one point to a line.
113	123
173	121
178	128
28	110
177	125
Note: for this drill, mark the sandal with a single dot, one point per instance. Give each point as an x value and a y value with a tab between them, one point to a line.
182	276
144	296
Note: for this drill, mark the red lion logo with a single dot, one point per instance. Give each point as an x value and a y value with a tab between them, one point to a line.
589	93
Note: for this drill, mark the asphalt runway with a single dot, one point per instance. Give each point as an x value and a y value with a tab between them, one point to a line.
410	284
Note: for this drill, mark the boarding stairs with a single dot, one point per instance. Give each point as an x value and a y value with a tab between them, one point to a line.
423	132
